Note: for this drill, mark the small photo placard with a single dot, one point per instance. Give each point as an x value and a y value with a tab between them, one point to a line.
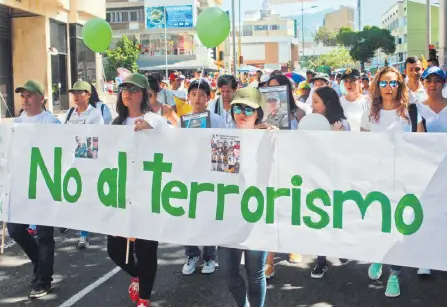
86	147
276	109
198	120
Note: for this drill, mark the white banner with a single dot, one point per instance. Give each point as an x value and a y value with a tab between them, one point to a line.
364	196
5	136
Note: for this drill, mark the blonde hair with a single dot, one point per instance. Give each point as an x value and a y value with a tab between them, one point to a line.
376	97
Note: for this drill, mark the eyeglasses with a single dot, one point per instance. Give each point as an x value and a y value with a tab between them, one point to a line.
392	83
248	111
130	89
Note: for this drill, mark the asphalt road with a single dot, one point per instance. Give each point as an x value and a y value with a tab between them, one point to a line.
78	277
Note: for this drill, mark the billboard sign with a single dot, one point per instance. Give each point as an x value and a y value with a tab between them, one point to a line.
176	17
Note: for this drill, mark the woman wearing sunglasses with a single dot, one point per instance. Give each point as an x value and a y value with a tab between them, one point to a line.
133	109
246	112
389	111
389	104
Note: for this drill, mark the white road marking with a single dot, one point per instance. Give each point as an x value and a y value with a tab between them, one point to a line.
78	296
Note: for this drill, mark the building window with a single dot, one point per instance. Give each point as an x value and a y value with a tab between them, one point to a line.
248	31
275	27
125	15
261	28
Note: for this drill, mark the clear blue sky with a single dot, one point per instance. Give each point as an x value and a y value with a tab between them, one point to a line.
372	10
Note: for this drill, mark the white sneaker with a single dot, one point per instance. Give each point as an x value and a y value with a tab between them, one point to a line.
209	267
190	265
83	243
422	271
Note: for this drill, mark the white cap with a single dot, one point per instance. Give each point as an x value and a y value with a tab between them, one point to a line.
265	78
272	96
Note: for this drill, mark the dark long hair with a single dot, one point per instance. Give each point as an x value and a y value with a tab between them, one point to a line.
334	110
283	80
153	84
123	111
94	97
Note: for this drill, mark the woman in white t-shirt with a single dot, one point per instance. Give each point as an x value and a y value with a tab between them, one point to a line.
389	112
352	101
389	104
434	110
85	112
325	101
133	109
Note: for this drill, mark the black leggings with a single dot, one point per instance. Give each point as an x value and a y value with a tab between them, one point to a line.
144	267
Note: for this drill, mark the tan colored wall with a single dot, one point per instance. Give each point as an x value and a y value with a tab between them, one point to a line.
271	53
30	57
343	17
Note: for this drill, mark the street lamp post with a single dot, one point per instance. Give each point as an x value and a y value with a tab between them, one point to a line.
302	26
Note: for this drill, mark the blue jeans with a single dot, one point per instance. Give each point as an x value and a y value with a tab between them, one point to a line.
84	233
230	261
209	252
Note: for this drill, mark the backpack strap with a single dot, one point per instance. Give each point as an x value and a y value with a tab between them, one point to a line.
217	106
102	109
413	111
69	114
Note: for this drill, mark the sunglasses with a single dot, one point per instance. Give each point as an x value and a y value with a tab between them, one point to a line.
130	89
248	111
393	83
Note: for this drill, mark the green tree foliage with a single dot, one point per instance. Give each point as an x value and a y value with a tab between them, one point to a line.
364	44
325	37
336	58
125	55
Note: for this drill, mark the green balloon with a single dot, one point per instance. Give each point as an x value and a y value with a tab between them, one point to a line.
213	27
97	35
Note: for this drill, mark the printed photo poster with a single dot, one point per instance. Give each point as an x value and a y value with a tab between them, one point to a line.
86	147
225	154
276	108
198	120
5	137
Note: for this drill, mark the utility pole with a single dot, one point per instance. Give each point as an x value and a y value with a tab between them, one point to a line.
239	52
359	11
442	32
233	14
428	34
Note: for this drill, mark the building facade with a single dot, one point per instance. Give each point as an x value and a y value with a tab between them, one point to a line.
41	39
343	17
140	19
269	42
406	21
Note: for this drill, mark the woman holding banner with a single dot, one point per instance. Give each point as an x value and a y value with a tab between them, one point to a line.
85	112
389	111
325	101
133	109
246	112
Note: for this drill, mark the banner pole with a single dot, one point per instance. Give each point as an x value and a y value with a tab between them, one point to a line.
166	43
3	238
127	251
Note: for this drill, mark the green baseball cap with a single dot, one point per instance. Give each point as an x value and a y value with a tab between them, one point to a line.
31	86
249	96
137	80
81	86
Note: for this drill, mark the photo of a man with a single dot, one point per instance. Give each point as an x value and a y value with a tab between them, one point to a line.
276	117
